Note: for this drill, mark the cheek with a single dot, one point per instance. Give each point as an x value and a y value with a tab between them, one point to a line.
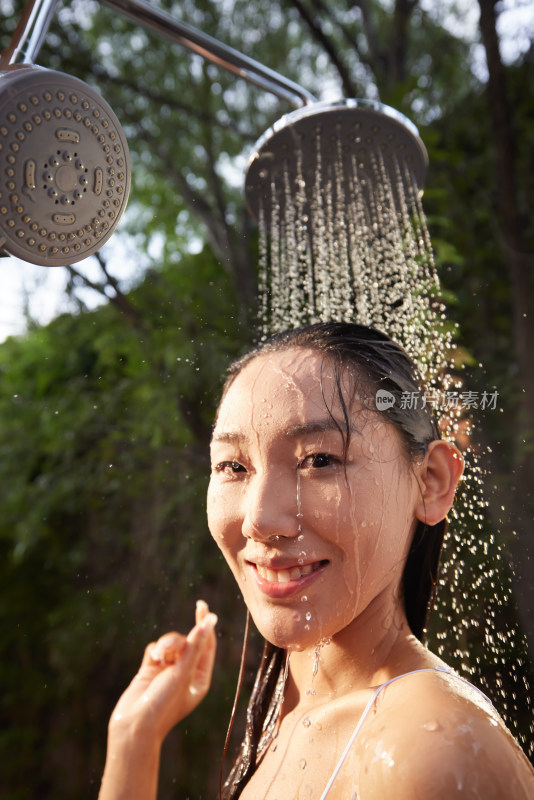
384	523
223	519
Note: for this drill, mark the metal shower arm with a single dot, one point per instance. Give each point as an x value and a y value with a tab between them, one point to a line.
38	15
211	49
29	34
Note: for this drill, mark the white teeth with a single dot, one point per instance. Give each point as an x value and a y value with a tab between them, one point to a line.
284	575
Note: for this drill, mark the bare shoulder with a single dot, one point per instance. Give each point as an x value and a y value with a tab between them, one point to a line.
433	736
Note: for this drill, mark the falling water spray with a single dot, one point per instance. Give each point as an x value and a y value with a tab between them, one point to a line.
336	189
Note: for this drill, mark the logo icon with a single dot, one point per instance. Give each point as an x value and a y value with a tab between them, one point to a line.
384	400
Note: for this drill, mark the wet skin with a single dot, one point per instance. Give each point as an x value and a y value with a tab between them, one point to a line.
308	576
317	547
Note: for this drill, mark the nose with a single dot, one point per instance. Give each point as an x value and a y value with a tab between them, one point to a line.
271	507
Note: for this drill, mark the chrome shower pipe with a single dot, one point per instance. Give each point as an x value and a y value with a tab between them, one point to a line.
38	14
211	49
29	34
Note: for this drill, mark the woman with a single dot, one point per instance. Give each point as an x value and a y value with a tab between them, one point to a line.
330	513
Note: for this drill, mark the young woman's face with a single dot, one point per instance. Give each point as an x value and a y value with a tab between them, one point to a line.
314	544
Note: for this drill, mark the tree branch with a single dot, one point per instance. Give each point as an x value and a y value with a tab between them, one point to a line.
320	36
237	250
396	72
119	299
377	59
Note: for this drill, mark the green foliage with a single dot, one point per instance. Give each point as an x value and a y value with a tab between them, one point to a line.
469	241
103	446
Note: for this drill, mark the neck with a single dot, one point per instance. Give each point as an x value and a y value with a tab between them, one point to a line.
373	648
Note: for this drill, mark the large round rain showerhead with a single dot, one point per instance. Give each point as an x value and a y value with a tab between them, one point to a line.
65	167
359	136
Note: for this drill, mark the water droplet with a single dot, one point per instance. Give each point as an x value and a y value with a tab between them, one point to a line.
302	763
306	722
432	725
299	508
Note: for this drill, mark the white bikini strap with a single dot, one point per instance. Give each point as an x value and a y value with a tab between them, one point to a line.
369	706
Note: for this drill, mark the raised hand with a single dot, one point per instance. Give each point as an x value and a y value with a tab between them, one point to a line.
174	677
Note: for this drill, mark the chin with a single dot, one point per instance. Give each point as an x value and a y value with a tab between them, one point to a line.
288	630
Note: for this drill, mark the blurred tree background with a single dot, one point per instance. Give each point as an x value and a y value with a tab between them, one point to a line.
106	412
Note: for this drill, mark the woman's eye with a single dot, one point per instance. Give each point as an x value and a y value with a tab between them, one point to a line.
318	461
230	467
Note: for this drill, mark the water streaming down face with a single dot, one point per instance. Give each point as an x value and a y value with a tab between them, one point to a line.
345	238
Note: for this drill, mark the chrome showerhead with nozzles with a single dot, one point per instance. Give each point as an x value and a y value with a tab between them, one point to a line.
360	136
62	150
66	165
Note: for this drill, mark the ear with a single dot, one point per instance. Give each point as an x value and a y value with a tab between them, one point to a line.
438	477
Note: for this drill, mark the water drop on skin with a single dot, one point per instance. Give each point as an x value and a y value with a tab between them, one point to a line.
432	726
316	660
306	722
302	763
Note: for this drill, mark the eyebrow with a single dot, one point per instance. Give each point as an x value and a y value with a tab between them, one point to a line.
293	432
319	426
230	437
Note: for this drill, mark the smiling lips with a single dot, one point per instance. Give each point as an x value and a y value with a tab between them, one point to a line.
286	575
281	582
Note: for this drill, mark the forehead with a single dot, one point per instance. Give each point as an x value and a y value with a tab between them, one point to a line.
291	386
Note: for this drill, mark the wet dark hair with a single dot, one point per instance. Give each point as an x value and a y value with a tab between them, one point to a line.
365	361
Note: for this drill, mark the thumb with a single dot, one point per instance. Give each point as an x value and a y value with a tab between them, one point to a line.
202	645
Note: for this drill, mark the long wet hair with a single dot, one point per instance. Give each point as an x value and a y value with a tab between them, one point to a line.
364	361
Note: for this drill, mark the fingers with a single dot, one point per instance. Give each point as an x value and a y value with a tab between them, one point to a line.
204	644
168	649
205	625
201	611
174	677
